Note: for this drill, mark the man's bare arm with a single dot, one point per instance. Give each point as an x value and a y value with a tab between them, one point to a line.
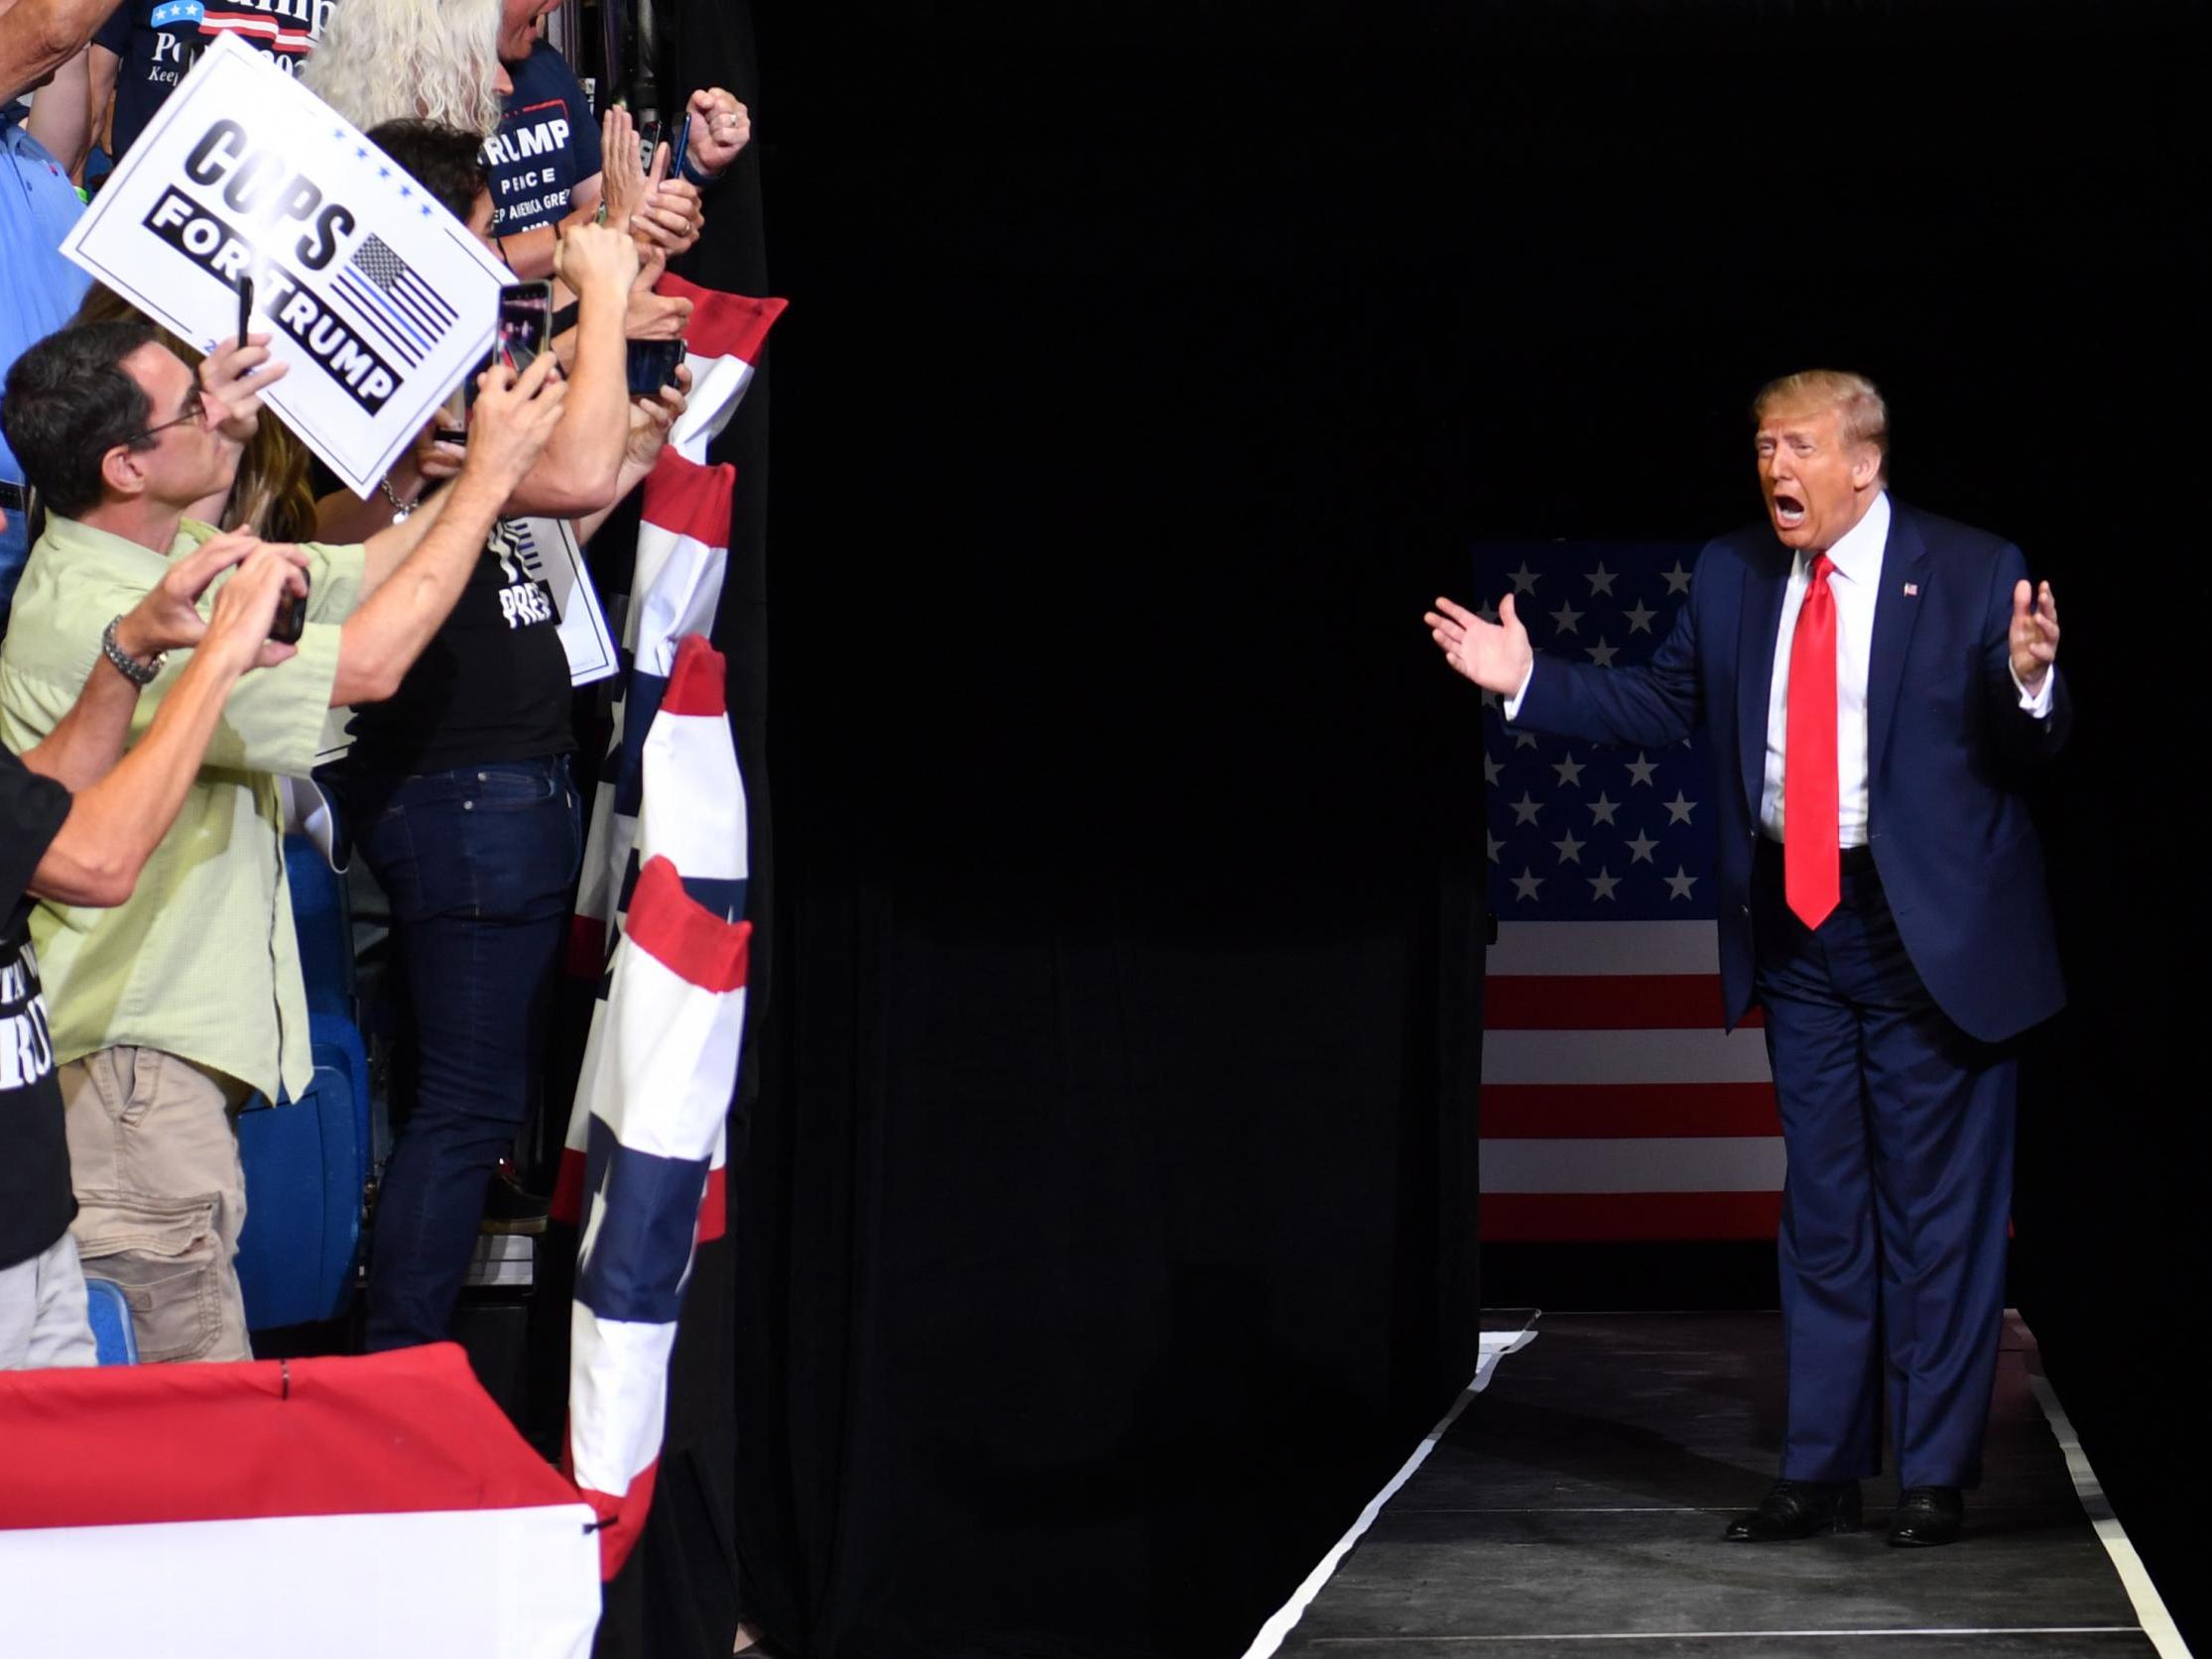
117	818
386	633
62	114
38	37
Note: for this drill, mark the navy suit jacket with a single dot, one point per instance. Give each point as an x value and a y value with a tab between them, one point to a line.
1948	748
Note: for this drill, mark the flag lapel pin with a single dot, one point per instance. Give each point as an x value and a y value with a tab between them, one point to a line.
1912	590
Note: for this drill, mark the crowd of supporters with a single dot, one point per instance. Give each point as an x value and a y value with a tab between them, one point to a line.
156	742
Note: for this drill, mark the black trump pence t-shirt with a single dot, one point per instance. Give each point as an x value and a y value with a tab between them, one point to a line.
546	145
491	685
36	1204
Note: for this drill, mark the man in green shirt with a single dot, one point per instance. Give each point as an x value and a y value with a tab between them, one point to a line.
168	1009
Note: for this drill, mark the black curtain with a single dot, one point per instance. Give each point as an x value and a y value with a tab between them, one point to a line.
1103	1232
1111	1188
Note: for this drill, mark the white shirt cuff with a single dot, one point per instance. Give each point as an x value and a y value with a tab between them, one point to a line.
2037	702
1513	704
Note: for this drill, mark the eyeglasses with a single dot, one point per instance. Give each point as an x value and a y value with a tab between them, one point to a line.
195	415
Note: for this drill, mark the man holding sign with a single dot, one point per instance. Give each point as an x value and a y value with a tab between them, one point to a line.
155	1049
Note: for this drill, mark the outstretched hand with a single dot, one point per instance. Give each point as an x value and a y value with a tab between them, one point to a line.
2033	634
1496	656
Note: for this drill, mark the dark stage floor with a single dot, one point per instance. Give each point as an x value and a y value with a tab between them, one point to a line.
1576	1507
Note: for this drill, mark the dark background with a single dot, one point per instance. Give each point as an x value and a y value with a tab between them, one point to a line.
1101	1233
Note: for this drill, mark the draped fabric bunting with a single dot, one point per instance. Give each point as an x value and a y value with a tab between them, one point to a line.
650	1115
687	806
353	1508
659	933
683	550
721	344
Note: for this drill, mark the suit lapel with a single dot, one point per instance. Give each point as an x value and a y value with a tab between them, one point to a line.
1895	612
1766	582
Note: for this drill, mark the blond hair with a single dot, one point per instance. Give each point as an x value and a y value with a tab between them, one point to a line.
1865	418
411	60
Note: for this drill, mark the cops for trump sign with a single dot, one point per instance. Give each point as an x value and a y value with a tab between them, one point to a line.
378	299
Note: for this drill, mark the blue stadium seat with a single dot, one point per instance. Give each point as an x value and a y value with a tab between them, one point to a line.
307	1162
319	910
112	1335
307	1168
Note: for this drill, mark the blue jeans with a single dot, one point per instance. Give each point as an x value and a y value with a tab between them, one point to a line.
480	866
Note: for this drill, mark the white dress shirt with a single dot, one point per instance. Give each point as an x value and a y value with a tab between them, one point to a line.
1855	582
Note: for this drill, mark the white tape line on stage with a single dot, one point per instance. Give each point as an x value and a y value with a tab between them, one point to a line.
1496	1344
2150	1605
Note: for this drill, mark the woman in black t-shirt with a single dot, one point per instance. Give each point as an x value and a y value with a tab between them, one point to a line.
460	796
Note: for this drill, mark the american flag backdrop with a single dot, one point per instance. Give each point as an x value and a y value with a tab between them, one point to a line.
1614	1107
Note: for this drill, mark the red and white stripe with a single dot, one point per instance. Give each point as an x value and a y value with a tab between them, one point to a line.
658	1073
683	555
691	813
256	29
346	1508
1614	1106
721	344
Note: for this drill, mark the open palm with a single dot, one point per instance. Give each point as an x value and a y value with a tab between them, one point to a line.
1496	656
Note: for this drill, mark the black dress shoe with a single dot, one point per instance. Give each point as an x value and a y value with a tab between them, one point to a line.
1798	1509
1927	1515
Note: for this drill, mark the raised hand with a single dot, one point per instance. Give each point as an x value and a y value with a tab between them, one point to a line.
437	460
596	259
1496	656
235	375
2033	634
513	420
625	182
654	316
670	218
653	418
720	128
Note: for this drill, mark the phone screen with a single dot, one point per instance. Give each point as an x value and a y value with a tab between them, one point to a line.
653	365
524	323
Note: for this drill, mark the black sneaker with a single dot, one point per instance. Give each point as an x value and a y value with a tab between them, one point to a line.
510	1207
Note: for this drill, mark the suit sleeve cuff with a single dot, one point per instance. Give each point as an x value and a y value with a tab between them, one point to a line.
1513	704
2037	703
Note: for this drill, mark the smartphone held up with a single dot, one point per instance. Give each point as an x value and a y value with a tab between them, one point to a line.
524	323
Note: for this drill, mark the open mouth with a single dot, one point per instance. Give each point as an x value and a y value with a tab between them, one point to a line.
1790	510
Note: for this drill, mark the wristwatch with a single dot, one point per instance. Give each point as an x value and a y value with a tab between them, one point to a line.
129	667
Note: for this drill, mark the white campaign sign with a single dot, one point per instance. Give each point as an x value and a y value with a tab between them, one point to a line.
552	555
378	299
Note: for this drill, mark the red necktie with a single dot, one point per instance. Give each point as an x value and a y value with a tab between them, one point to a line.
1809	789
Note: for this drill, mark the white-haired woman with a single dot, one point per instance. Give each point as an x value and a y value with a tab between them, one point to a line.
411	59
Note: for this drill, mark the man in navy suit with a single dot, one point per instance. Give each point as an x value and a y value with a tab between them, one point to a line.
1878	682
